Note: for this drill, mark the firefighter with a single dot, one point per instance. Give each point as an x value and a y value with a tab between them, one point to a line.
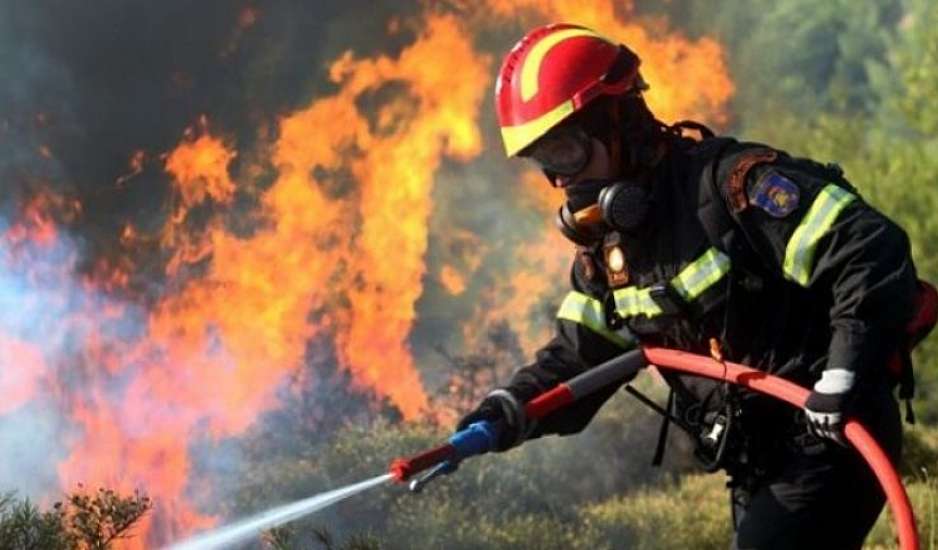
711	245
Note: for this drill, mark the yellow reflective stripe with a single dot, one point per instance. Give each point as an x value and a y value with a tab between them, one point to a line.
701	274
690	283
588	312
518	137
799	253
631	301
531	69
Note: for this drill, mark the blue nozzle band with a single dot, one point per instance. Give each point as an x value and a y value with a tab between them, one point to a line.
479	438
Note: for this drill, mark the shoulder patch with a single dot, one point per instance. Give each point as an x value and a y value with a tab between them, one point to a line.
775	194
736	182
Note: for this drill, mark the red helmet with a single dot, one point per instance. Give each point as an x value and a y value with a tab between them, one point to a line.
553	72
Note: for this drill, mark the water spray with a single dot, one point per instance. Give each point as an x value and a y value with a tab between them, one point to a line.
480	437
245	529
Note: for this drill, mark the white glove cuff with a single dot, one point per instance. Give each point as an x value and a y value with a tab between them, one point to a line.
834	381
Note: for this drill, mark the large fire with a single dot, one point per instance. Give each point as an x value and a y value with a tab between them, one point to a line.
337	250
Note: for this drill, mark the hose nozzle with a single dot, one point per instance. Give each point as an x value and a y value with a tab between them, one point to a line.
443	468
479	438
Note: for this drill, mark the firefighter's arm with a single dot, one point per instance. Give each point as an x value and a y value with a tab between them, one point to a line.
822	236
810	227
582	340
816	232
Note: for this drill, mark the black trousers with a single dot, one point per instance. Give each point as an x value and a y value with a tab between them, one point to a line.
821	495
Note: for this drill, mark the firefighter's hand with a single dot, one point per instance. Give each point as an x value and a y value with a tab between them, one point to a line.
825	408
502	408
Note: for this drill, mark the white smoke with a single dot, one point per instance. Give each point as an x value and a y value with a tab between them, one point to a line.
46	315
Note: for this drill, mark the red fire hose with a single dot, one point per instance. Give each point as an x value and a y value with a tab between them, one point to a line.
472	441
796	395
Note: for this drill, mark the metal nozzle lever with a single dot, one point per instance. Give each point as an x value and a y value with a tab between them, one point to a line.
443	468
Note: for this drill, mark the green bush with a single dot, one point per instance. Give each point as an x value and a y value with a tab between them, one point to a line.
920	471
529	493
85	521
924	497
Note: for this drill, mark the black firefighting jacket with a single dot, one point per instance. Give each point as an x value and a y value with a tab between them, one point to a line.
778	258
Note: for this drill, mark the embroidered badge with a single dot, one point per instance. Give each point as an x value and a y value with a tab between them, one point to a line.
736	182
775	194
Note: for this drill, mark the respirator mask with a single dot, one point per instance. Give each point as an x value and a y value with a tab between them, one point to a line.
593	206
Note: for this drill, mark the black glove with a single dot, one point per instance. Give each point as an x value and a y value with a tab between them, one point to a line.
503	409
826	406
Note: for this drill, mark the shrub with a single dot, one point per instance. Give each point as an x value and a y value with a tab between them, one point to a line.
691	513
92	521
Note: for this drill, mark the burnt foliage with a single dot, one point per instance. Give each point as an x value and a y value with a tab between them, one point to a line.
82	521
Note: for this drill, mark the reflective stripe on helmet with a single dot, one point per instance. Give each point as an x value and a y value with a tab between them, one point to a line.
799	253
586	311
690	284
531	68
553	72
518	137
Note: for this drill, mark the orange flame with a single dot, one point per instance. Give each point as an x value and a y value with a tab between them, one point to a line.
21	368
216	352
396	174
200	169
452	280
38	219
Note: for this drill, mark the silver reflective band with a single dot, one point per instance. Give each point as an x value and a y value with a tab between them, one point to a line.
587	311
690	284
799	253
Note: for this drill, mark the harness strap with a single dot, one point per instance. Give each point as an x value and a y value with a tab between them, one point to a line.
663	433
667	417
